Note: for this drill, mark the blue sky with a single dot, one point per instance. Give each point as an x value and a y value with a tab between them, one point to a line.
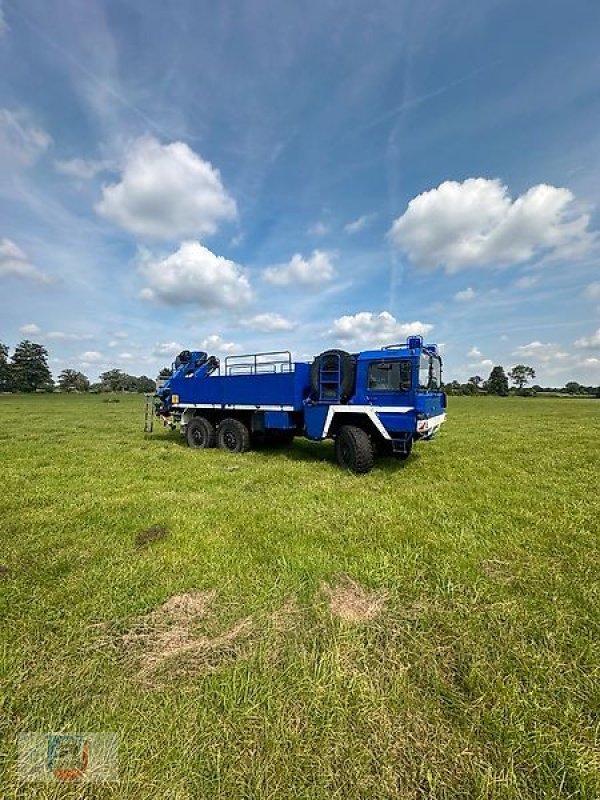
262	175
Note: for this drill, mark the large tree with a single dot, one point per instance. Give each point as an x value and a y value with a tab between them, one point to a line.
29	367
113	380
497	383
5	382
145	384
573	387
70	380
521	374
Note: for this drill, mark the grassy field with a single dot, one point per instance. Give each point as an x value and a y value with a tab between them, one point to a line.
429	630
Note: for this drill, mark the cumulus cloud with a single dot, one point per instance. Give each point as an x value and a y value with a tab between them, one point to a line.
366	328
194	274
465	295
474	352
91	357
166	192
169	349
215	344
269	322
68	337
312	271
81	168
358	225
540	351
589	342
31	329
14	262
21	140
477	223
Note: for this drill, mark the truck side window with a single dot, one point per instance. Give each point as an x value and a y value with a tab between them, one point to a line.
390	376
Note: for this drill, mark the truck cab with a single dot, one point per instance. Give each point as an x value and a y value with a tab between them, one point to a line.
397	398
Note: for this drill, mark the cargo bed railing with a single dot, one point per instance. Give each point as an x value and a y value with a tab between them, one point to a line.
259	363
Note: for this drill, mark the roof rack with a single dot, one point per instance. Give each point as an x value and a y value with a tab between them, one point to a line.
257	363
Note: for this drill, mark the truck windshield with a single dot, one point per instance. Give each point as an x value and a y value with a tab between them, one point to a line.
430	373
390	376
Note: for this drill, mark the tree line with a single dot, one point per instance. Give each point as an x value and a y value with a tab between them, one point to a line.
27	370
520	376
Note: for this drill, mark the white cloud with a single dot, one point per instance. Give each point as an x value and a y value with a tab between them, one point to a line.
69	337
527	281
81	168
14	262
21	141
592	291
167	349
91	357
358	225
318	229
126	356
194	274
269	322
166	192
31	329
539	351
476	223
366	328
312	271
481	363
465	295
589	342
215	344
474	352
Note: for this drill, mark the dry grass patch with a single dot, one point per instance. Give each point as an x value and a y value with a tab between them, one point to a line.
350	601
167	639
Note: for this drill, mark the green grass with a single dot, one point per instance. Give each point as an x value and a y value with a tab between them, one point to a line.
480	679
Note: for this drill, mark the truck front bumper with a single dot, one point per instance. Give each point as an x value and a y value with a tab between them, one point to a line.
427	428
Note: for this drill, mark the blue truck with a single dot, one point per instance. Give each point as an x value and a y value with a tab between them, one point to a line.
372	403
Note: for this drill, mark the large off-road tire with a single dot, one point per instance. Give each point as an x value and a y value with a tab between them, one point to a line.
233	436
354	449
329	359
200	433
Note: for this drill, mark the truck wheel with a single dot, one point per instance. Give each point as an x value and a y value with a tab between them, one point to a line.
200	433
233	435
354	449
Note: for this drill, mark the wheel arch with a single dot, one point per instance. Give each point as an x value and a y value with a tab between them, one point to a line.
359	419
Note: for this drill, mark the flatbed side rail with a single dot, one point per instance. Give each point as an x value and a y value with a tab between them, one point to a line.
258	363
